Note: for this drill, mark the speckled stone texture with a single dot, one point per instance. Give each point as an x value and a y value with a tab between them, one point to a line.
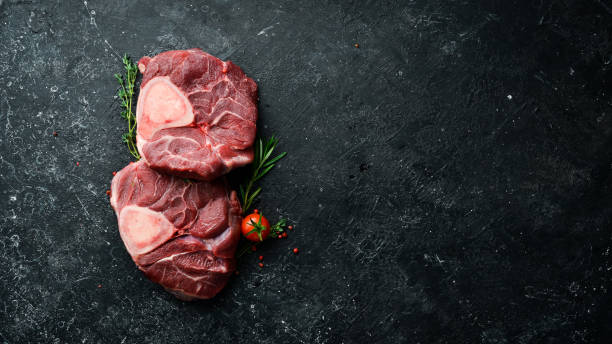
449	179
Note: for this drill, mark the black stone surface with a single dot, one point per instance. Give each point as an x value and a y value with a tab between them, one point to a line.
449	179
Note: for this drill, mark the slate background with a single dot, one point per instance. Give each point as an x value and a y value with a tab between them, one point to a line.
449	179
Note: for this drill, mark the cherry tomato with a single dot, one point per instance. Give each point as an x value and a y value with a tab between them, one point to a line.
255	227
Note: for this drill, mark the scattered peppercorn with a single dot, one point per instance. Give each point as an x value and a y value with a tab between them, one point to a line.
114	173
261	265
99	285
295	250
108	192
55	133
290	227
77	163
356	45
260	257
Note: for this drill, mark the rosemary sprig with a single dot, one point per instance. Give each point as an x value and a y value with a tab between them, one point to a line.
262	164
126	95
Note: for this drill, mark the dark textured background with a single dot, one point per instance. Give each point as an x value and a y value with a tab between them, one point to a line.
450	179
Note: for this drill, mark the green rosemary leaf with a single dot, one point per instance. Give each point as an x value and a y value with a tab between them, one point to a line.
275	159
263	173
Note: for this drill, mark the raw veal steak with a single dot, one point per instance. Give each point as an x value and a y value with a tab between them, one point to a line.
196	114
181	234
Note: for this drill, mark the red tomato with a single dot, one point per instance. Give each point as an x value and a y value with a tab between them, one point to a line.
255	227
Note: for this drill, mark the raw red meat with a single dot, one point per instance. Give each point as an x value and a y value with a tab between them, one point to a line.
196	114
181	234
